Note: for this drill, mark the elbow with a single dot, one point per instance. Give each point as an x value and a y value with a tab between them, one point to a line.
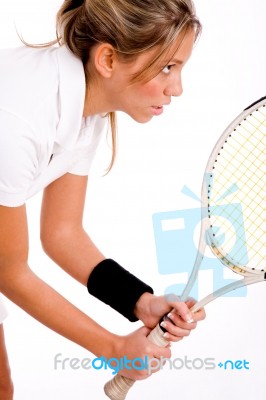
53	240
49	240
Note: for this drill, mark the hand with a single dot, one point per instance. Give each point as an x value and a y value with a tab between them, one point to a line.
149	309
175	325
136	345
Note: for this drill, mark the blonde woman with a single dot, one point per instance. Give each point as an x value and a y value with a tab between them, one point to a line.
55	104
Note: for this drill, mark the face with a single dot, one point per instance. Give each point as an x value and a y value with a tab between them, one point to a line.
143	101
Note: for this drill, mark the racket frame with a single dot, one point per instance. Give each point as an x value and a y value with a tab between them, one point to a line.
117	388
250	275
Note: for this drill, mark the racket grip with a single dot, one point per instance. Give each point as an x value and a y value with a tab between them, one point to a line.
118	387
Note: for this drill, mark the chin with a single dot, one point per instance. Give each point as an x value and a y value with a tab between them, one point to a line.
143	119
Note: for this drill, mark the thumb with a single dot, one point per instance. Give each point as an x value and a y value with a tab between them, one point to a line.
144	330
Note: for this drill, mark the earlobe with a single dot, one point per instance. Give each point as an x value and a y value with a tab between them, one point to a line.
104	58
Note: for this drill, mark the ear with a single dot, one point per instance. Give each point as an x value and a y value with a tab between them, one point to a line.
104	59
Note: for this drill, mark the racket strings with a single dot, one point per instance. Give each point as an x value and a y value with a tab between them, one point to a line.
236	194
255	237
252	150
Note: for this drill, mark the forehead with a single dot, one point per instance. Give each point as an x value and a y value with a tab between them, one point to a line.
149	63
181	50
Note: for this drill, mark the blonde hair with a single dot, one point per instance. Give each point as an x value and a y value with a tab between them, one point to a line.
130	26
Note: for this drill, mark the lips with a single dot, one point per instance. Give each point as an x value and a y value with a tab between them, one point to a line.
162	105
157	110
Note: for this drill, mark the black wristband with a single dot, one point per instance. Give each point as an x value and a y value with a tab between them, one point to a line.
117	287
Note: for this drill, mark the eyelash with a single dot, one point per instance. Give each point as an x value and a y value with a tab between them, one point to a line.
166	70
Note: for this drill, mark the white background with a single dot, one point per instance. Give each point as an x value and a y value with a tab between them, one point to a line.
226	74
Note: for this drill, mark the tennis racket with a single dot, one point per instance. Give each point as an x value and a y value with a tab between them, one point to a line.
233	222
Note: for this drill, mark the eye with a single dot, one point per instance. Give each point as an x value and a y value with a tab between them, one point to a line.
167	68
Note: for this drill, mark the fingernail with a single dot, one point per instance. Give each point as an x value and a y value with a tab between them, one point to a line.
170	315
166	335
163	324
189	319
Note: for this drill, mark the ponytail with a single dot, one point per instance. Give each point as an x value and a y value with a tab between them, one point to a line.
72	5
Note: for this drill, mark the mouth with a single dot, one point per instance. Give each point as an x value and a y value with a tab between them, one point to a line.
157	110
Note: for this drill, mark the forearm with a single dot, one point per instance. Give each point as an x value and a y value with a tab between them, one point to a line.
73	250
46	305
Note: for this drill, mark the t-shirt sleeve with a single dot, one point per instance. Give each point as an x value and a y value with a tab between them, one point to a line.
18	159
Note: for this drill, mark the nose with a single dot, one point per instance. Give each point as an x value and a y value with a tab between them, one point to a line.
174	88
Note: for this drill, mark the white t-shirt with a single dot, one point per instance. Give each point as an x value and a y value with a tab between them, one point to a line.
3	310
42	132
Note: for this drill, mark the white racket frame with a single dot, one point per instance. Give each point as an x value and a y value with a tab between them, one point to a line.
117	388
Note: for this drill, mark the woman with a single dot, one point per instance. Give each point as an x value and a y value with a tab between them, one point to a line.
55	103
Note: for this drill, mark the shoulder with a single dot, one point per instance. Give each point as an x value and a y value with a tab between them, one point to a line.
26	62
30	77
27	75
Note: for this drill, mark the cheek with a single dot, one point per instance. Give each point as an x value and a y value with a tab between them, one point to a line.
150	89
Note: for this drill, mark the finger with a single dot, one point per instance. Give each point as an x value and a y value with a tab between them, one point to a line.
178	321
174	331
199	315
172	338
190	302
182	309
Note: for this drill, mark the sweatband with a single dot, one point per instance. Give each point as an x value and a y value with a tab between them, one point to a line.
117	287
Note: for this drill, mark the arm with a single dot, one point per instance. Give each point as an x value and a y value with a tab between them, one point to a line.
66	242
23	287
62	235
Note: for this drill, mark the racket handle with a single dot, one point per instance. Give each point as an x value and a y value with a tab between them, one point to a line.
118	387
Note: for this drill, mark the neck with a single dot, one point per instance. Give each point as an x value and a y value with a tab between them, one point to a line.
96	100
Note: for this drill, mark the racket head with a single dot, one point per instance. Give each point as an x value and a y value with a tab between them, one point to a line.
233	193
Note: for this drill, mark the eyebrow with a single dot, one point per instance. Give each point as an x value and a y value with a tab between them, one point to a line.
175	60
